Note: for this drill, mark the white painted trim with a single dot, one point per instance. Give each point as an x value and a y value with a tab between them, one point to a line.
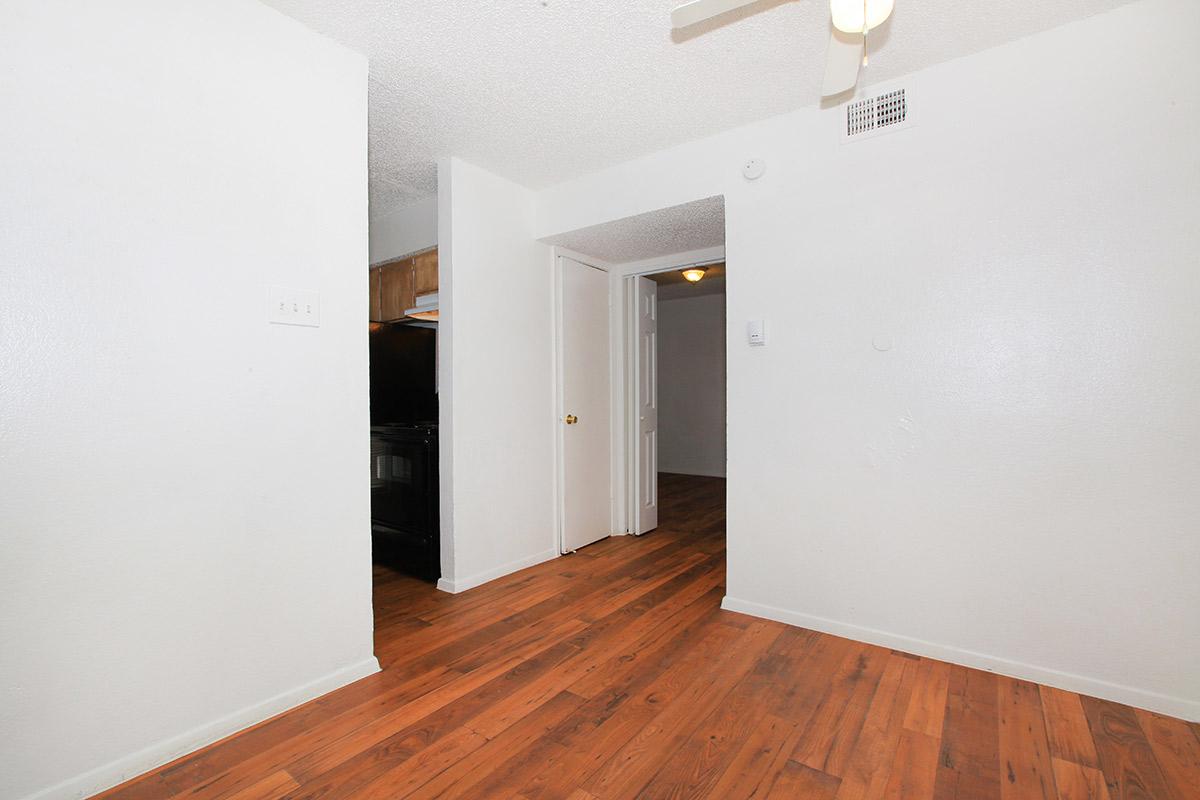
1129	695
624	304
619	319
582	258
148	758
628	441
556	338
463	584
688	258
445	369
616	402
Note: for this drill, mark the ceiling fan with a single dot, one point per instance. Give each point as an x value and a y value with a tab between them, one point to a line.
852	21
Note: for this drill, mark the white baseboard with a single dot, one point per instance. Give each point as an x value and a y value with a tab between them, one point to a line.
462	584
1128	695
146	759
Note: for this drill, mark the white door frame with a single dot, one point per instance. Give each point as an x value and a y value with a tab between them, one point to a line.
624	383
560	478
625	377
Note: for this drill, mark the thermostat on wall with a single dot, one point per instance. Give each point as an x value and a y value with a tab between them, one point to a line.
756	332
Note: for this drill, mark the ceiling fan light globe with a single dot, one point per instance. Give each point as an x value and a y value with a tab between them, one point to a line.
847	15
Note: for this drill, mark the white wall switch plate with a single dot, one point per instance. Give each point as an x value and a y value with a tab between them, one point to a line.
293	307
756	332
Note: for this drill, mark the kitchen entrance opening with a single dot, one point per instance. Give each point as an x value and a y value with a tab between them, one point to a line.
405	528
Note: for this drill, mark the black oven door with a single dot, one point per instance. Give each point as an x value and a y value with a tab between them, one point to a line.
404	500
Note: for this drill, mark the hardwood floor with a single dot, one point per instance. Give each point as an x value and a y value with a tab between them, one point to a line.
612	673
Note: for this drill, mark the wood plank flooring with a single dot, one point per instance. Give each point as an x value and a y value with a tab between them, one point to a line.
612	673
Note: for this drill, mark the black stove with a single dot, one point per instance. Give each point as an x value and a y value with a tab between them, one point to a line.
404	497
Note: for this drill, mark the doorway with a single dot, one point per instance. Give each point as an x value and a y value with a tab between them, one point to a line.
676	384
404	408
642	259
664	337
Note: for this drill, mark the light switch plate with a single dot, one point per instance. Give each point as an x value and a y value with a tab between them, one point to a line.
293	307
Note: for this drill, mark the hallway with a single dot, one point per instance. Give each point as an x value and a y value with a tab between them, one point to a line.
612	673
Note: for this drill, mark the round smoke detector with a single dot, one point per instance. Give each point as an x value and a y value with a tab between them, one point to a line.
753	169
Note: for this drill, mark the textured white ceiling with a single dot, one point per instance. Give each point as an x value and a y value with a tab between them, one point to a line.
691	226
540	91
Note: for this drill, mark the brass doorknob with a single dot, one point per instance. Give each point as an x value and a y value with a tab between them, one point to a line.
572	419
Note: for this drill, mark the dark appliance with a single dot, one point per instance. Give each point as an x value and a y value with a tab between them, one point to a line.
404	449
403	373
404	498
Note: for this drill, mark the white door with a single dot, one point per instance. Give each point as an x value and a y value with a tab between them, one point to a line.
646	370
584	417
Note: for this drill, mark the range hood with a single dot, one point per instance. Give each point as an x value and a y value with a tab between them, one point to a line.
426	308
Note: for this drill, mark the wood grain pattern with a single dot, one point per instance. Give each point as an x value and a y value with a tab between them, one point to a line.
612	673
1024	751
1067	727
915	767
1129	766
868	770
799	782
1177	750
425	272
969	763
928	705
396	289
832	731
751	770
273	785
375	307
1077	782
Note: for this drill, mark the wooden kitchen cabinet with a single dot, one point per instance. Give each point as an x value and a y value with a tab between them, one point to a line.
425	272
396	289
396	284
376	312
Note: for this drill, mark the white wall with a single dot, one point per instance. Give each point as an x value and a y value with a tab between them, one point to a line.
184	512
496	381
1013	484
405	231
691	385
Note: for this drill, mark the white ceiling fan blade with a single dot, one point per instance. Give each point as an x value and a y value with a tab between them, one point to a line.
841	63
700	10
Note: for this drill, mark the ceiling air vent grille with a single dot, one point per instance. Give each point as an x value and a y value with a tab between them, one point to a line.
872	113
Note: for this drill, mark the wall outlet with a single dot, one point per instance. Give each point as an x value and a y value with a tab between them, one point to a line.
293	307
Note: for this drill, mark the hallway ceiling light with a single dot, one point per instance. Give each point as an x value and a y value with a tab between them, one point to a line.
694	274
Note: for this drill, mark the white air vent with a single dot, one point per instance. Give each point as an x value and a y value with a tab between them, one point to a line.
888	111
